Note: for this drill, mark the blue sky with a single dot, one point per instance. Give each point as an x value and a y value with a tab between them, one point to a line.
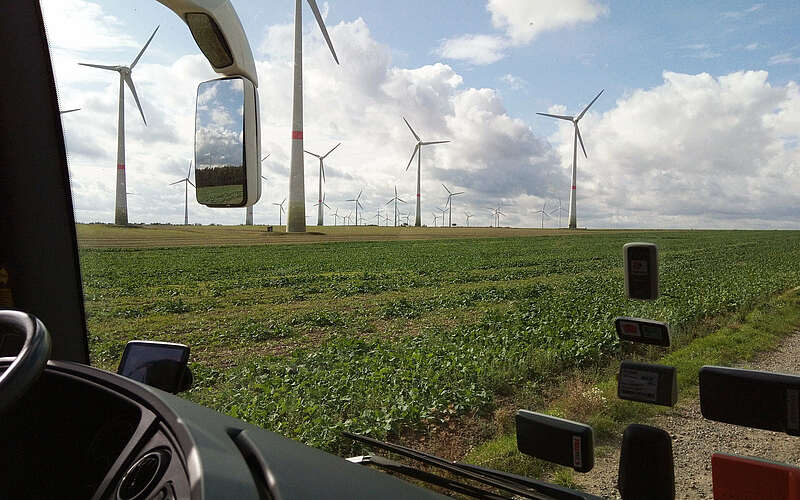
554	61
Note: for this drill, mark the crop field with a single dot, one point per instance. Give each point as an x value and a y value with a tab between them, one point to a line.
387	337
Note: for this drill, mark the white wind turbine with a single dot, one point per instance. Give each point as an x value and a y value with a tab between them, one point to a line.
450	196
248	218
543	211
186	182
347	218
281	211
435	218
573	217
336	217
296	219
321	180
469	216
358	204
320	205
559	211
406	216
395	200
121	206
418	153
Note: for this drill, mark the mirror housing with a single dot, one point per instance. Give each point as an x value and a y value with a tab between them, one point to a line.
227	143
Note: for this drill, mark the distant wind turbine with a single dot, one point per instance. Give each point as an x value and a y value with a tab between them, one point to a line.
320	205
469	216
121	206
559	211
418	153
543	211
573	217
395	200
248	218
336	217
450	196
186	183
406	216
296	219
435	218
321	180
358	204
281	211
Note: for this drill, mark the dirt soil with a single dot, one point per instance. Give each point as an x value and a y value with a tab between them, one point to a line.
695	439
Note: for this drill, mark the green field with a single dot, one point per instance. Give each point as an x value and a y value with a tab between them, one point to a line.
386	337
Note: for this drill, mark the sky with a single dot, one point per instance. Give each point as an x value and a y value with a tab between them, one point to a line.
698	125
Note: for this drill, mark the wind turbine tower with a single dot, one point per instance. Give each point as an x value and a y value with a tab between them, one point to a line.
320	199
395	200
573	217
121	206
418	153
186	182
296	218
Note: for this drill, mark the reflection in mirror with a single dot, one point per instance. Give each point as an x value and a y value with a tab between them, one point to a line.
219	143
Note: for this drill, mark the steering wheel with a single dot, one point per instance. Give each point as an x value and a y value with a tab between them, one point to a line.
31	360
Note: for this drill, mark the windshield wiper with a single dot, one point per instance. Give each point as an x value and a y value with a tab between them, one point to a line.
510	483
428	477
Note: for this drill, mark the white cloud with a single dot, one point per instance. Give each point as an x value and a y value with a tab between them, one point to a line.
753	46
474	49
783	58
515	82
738	14
520	21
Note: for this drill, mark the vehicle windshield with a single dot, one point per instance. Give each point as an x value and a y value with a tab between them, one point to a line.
451	250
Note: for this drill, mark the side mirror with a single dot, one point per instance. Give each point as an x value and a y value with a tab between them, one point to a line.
226	143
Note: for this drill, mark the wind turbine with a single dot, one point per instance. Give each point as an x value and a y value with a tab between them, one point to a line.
435	218
347	218
450	196
186	182
559	210
469	216
248	218
573	217
281	211
121	206
418	153
296	219
336	217
543	211
406	216
395	200
320	205
358	203
320	199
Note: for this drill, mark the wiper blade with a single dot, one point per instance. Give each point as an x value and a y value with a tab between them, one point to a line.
454	468
428	477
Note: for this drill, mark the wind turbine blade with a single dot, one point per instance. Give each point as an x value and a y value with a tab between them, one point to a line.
264	158
144	48
400	200
560	117
176	182
331	151
192	183
322	27
322	168
445	188
100	66
589	106
389	201
412	130
312	154
129	82
69	111
578	131
458	193
434	142
190	170
359	194
416	148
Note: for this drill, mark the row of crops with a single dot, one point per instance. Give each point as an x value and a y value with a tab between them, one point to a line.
384	337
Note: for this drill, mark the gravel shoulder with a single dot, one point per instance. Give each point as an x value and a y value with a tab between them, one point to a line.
694	439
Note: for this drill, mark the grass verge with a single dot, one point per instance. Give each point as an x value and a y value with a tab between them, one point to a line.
592	399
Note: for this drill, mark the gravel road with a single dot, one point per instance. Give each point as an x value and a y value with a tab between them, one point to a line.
694	439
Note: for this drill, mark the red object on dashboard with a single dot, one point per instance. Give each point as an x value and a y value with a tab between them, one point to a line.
736	477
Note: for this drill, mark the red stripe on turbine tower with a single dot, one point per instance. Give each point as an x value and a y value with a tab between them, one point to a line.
297	134
573	187
120	167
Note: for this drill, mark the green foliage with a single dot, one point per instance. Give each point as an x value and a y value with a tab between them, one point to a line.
383	337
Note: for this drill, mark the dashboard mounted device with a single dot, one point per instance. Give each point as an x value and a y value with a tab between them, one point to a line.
158	364
641	271
756	399
555	440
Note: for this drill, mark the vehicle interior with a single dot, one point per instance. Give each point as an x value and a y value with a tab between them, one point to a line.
74	431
